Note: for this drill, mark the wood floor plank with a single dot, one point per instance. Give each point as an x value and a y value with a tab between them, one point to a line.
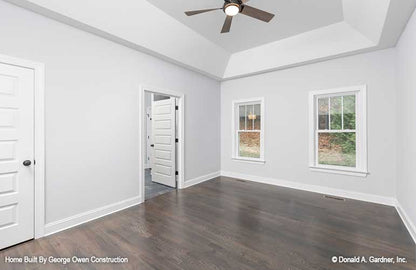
231	224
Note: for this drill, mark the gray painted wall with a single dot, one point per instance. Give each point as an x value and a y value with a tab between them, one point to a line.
406	124
92	111
286	127
92	115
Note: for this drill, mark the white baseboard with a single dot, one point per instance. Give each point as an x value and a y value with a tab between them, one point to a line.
78	219
406	220
314	188
390	201
200	179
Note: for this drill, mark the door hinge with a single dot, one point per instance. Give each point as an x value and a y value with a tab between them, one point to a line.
34	162
176	107
177	140
176	173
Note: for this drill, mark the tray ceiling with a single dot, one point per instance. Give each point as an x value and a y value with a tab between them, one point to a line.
303	31
292	18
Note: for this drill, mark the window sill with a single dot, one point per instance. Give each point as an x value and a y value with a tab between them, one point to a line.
249	160
339	171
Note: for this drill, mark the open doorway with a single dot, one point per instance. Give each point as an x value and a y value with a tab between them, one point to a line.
161	134
162	143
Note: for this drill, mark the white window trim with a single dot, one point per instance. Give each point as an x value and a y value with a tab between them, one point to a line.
234	124
361	131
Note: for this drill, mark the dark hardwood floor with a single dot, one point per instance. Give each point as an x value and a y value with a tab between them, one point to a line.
231	224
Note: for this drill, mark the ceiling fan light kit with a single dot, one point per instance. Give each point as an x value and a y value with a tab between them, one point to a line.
233	7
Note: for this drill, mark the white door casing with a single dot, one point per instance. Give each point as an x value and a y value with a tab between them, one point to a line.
163	132
16	145
149	142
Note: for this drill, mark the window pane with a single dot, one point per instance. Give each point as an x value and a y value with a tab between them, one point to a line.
250	117
249	144
242	116
337	149
323	115
257	117
349	112
336	113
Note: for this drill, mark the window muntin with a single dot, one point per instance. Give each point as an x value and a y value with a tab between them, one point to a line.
248	133
335	133
338	130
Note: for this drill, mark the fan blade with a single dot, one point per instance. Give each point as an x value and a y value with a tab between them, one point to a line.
227	25
257	13
196	12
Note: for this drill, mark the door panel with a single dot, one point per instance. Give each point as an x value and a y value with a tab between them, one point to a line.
163	132
16	145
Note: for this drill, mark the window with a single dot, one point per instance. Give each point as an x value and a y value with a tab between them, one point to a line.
338	131
248	127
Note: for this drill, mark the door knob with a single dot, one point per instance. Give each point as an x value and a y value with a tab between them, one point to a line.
152	145
27	162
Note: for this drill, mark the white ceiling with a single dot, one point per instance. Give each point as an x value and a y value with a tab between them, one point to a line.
292	18
304	31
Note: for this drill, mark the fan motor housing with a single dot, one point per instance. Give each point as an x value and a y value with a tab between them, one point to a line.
237	3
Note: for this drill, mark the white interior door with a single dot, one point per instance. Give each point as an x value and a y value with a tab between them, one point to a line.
163	132
16	147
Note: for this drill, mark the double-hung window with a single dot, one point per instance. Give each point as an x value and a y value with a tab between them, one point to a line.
248	130
338	130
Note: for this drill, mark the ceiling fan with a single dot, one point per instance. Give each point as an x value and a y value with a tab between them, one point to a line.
232	8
